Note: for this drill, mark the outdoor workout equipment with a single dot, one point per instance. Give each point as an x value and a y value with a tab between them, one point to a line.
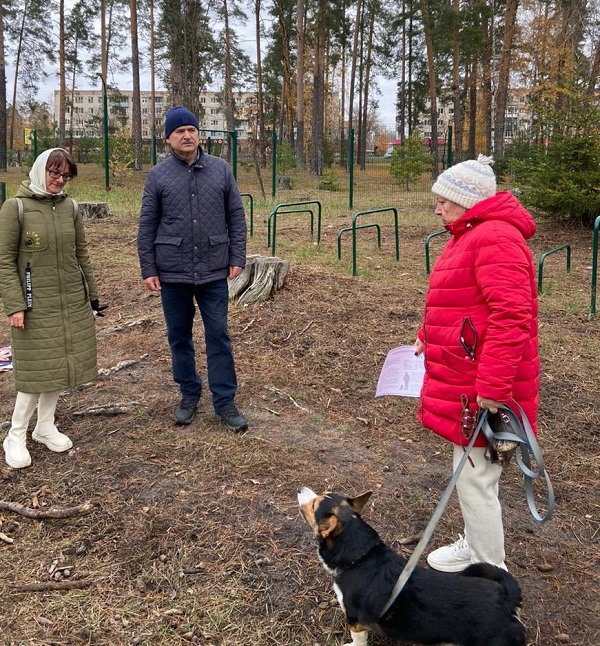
427	240
361	226
251	201
288	206
354	228
549	253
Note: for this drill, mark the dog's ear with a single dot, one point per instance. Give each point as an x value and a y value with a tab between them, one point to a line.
328	526
360	501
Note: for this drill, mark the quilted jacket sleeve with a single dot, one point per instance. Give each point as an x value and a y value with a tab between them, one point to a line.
83	257
10	284
236	222
503	273
149	221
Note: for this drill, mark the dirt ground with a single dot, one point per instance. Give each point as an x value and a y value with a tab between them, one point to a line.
194	535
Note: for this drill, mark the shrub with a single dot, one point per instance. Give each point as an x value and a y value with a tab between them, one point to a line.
565	181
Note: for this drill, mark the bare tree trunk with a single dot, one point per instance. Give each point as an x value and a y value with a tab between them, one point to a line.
300	85
510	16
594	71
432	84
262	143
152	76
368	60
358	19
3	155
228	90
72	102
136	107
486	86
287	107
318	108
11	137
473	81
400	131
360	153
456	90
62	108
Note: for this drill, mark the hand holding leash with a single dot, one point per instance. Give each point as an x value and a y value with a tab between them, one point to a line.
97	309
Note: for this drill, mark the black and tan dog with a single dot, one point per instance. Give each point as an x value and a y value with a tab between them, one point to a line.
477	607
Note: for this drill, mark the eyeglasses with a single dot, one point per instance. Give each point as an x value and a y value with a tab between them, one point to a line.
54	174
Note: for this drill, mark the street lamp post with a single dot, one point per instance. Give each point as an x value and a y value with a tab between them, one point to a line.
105	127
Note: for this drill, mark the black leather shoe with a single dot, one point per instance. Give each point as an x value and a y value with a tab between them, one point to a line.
184	413
233	419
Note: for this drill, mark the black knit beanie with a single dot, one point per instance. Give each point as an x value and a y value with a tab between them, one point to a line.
177	117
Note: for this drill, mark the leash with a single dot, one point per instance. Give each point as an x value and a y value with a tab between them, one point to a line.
526	439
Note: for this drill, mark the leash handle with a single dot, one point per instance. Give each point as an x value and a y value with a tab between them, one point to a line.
528	444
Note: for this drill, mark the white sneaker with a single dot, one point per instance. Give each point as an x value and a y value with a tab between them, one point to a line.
52	438
451	558
15	451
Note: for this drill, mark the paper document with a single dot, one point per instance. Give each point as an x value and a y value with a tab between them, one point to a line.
402	373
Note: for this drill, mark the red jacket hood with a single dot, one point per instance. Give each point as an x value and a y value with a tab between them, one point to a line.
502	206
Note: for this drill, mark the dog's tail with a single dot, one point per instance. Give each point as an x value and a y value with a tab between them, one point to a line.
509	584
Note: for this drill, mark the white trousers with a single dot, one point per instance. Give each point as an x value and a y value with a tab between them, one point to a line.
477	488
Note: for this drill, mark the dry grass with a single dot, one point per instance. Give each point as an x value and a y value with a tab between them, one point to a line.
194	535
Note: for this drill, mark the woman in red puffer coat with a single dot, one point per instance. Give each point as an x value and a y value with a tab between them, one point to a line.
479	336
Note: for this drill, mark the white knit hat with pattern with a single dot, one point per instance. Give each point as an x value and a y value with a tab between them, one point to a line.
467	183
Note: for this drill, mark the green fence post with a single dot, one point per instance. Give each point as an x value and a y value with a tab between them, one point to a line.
449	148
594	267
351	168
274	164
2	192
35	144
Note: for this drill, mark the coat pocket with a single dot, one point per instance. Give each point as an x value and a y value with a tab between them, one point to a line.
169	253
218	252
458	369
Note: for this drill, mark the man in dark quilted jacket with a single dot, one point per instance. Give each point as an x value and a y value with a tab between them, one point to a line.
191	239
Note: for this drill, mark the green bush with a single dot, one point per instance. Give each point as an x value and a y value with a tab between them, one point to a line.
564	182
410	160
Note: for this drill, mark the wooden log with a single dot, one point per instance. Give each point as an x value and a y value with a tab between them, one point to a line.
269	276
94	210
52	512
239	284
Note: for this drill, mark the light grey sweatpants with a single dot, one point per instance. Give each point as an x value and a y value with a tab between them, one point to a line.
477	488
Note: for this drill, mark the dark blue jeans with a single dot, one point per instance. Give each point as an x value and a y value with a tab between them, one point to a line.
179	310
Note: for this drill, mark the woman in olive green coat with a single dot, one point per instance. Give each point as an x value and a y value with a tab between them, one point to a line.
50	297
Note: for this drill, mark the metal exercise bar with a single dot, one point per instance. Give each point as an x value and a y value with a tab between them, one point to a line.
271	235
360	226
251	200
427	240
371	212
543	258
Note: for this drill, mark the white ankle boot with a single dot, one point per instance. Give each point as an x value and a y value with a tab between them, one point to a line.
45	431
15	444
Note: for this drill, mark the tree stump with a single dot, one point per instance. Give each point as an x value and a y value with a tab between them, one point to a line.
284	182
261	278
94	210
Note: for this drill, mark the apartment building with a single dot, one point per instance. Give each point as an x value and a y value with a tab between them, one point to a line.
517	120
88	112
